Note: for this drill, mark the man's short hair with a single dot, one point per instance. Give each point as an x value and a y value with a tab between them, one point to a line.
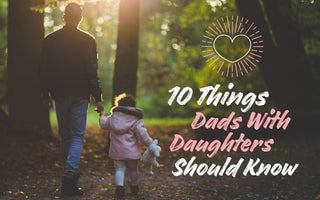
73	12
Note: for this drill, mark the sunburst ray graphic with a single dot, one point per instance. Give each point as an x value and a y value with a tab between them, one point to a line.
232	28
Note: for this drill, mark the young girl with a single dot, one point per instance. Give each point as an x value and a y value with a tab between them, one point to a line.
126	131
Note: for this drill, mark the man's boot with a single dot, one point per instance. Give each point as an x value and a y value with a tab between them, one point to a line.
70	186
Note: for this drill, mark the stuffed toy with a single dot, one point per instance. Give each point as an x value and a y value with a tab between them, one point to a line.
150	155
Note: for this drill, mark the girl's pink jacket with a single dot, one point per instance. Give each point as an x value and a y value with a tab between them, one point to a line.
126	131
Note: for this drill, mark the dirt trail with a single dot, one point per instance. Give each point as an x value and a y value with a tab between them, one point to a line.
31	169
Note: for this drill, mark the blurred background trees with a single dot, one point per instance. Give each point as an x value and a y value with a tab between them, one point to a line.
170	51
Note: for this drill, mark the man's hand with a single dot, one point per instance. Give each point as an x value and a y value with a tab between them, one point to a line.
47	102
99	108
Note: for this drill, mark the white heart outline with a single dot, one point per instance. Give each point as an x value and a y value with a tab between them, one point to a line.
232	39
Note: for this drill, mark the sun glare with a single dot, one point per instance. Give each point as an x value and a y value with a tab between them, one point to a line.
81	2
54	9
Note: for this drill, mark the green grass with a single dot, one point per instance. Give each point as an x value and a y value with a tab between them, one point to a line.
92	119
167	121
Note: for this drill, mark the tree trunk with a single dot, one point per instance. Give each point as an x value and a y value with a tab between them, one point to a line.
284	65
299	86
25	35
251	9
126	64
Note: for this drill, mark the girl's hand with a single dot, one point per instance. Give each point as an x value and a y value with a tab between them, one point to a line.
100	107
102	113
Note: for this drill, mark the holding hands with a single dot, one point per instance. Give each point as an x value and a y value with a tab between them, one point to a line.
100	108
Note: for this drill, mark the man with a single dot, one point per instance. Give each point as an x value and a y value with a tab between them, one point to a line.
68	71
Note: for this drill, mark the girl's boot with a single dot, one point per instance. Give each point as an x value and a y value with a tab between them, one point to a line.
120	192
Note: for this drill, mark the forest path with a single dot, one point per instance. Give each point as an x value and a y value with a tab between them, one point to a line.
31	168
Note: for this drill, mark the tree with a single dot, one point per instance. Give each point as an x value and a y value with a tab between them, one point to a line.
126	63
252	10
293	63
25	35
3	58
284	67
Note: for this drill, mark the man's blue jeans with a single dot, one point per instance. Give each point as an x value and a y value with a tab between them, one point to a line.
72	117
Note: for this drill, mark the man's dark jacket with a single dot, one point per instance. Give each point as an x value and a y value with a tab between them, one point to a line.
69	64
